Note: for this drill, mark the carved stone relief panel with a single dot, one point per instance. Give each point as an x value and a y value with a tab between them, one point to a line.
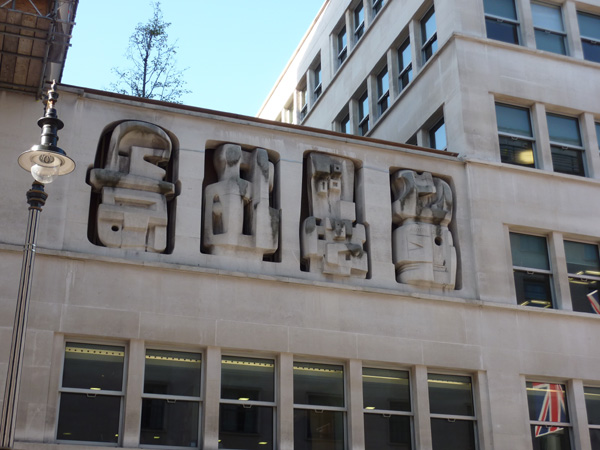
332	242
131	188
423	250
239	219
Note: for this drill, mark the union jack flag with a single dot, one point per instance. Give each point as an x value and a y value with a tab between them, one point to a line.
594	301
551	407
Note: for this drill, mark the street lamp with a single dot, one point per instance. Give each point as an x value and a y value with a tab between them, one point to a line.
45	162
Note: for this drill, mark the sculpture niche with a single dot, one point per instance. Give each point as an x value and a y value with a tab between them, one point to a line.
238	218
423	249
332	241
132	209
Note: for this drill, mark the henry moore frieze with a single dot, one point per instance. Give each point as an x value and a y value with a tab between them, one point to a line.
239	219
131	190
332	241
423	250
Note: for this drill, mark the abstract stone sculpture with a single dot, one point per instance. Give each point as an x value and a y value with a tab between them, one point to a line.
132	213
423	249
332	243
238	218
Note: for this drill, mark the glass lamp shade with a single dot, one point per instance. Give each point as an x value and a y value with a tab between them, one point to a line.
45	165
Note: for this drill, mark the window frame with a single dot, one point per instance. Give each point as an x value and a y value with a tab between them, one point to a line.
318	82
517	137
383	96
567	146
581	277
404	70
172	398
363	116
561	33
341	39
536	423
93	393
439	123
427	50
250	403
392	412
587	39
320	408
358	14
533	270
456	417
591	426
503	19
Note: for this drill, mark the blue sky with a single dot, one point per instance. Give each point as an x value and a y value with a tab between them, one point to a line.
234	49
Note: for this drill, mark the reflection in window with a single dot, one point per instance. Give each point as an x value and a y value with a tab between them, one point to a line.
428	35
171	399
383	91
404	65
387	409
565	144
363	114
247	403
548	416
589	29
359	22
517	145
342	47
452	412
91	393
549	30
437	135
531	268
583	266
592	404
319	407
501	21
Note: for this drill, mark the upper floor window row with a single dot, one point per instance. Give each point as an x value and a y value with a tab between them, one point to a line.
518	143
534	273
502	23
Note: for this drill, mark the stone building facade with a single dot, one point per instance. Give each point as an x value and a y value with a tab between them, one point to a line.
210	280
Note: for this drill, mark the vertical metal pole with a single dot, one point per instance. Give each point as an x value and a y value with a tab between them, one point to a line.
36	198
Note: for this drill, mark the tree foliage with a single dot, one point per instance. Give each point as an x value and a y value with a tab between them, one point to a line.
152	71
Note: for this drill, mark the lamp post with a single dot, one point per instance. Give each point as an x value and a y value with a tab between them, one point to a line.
45	161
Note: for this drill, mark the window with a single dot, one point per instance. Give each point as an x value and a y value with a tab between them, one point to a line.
247	403
387	409
302	102
345	124
359	22
515	135
363	114
548	416
428	35
549	30
319	406
377	5
531	268
342	47
317	80
91	393
383	91
452	412
171	399
589	29
565	144
583	265
501	21
437	135
598	134
592	404
404	65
